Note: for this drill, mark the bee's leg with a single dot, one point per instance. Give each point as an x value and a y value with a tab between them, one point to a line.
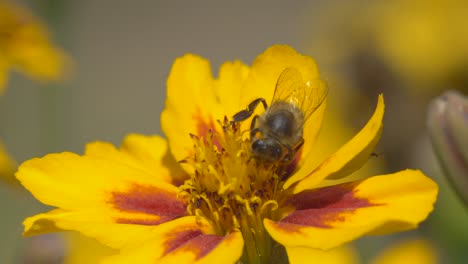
254	132
253	129
291	152
287	154
254	122
298	146
244	114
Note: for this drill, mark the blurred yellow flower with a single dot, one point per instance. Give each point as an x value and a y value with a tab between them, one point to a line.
423	40
408	50
25	46
414	251
223	204
341	255
7	166
422	43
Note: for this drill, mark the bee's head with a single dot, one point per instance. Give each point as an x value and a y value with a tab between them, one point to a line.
267	149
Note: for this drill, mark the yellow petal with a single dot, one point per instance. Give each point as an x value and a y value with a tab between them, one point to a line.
191	104
99	191
70	181
98	225
148	149
104	150
349	158
340	255
231	79
327	217
92	224
81	249
147	153
415	251
151	150
183	243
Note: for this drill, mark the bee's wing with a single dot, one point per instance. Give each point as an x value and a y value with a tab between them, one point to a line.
292	89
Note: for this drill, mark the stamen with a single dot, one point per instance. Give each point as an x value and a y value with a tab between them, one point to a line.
232	189
270	202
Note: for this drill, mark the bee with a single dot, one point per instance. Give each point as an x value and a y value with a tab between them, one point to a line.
277	134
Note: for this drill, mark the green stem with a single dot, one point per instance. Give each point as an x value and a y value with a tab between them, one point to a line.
257	241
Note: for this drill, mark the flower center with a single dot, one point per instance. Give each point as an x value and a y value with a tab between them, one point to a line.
232	190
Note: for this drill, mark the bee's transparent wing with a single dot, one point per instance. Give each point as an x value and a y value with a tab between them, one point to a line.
306	96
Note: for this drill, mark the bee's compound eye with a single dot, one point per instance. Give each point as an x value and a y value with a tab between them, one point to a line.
267	149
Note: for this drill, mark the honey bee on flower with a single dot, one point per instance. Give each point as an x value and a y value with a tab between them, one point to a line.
276	135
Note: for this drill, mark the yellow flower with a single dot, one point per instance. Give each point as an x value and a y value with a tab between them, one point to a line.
428	45
222	204
420	43
341	255
7	166
25	46
415	251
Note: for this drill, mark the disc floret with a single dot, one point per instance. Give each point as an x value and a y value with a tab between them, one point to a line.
232	189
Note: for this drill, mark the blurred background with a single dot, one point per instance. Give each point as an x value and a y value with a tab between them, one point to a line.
117	55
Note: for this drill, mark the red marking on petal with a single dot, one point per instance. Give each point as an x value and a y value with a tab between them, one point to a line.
291	228
178	183
203	244
324	206
193	240
206	129
314	217
322	165
177	239
148	200
143	221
